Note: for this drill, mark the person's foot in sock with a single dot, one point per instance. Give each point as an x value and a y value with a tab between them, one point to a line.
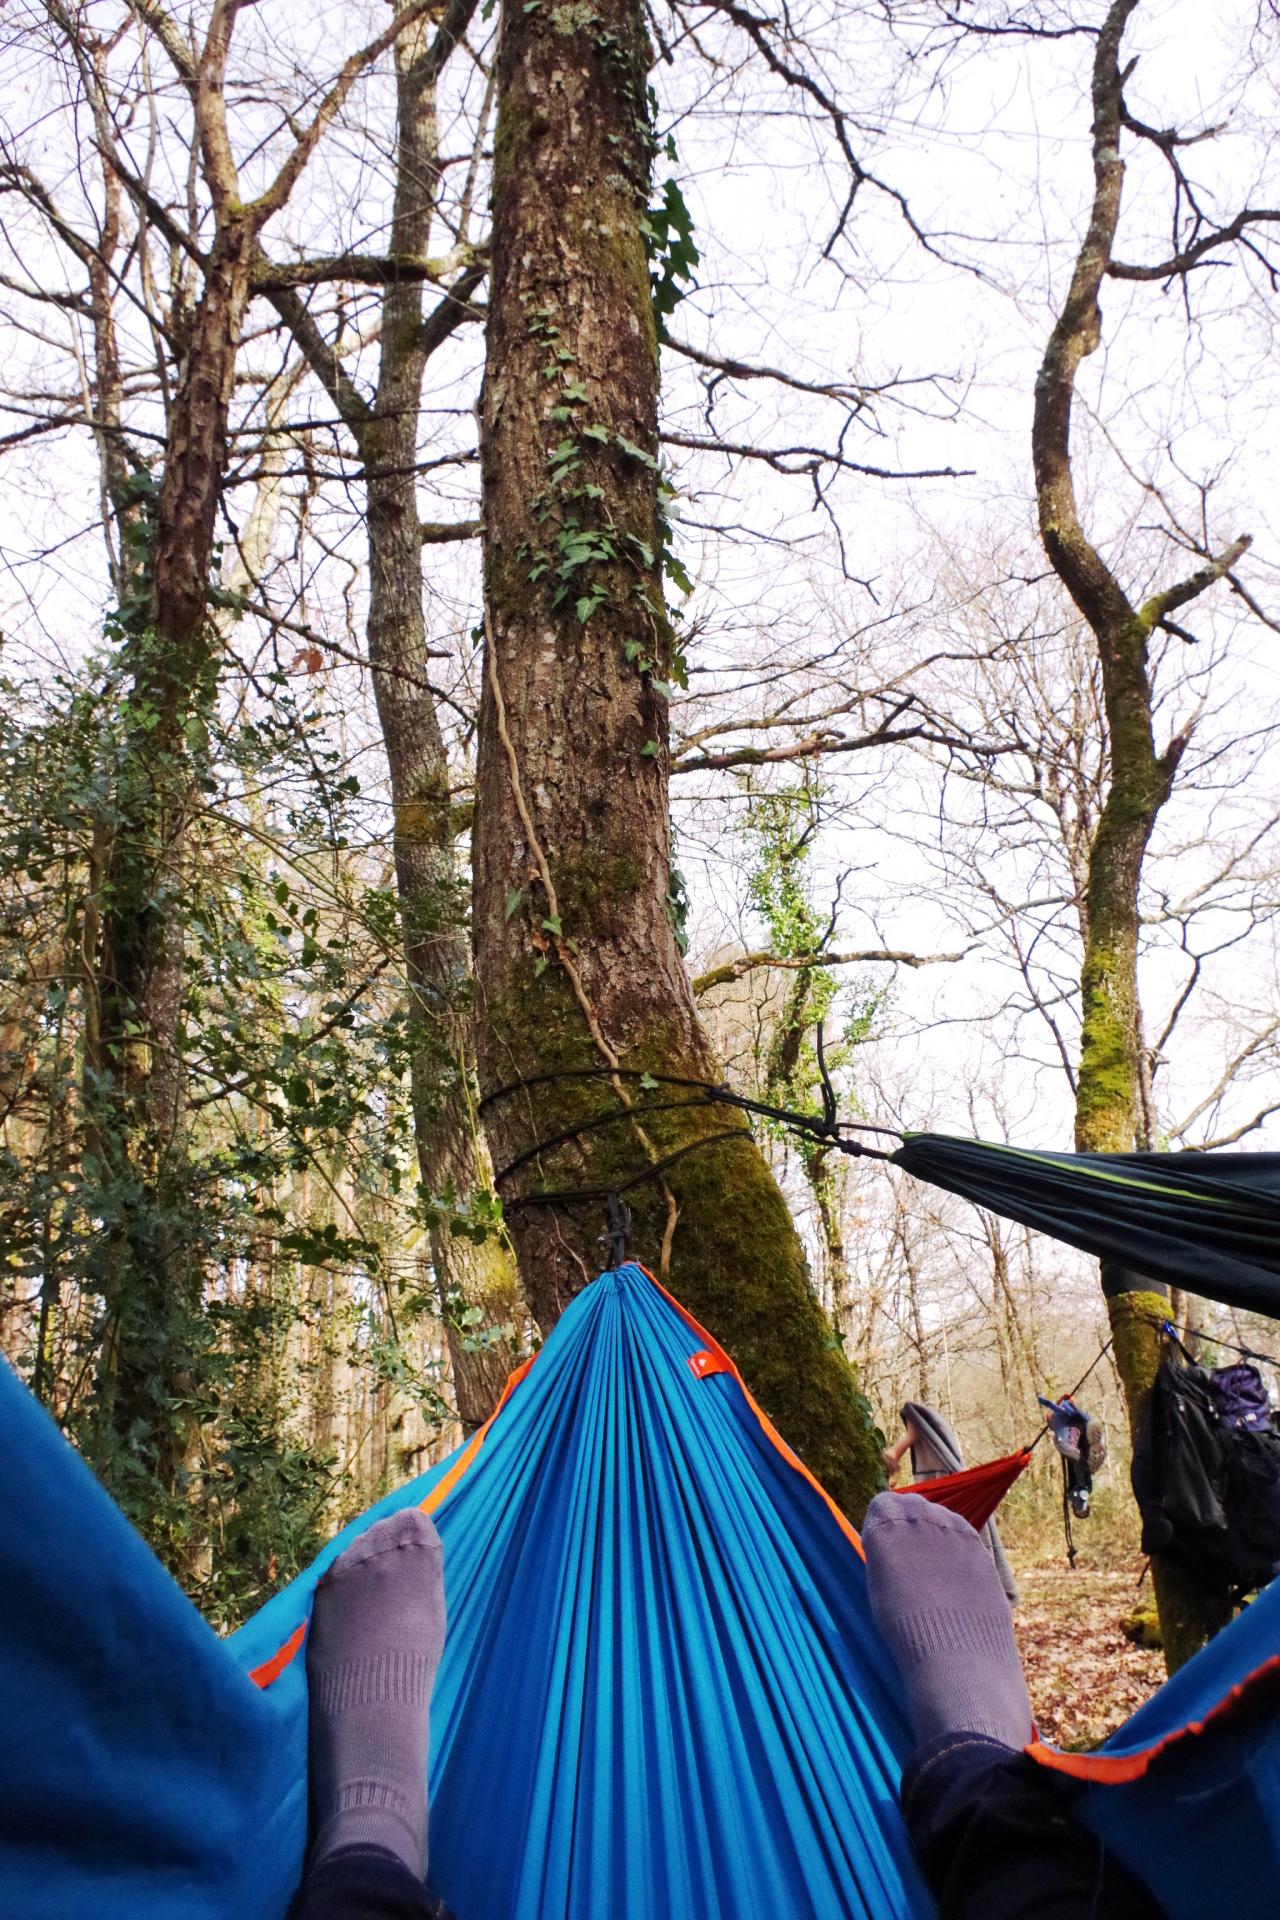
937	1600
377	1630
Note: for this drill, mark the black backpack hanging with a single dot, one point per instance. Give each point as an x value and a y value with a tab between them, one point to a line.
1208	1488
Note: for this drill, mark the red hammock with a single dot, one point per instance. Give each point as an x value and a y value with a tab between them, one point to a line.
978	1491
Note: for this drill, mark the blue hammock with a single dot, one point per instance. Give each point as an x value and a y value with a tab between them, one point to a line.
661	1690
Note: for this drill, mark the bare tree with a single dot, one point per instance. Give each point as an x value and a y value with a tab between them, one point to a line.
1140	773
476	1276
162	535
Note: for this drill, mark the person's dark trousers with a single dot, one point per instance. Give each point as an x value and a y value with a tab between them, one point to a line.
364	1883
997	1841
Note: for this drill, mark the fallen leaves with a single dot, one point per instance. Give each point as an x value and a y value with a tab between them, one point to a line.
1084	1677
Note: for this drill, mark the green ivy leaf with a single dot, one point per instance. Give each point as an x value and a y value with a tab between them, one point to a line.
633	452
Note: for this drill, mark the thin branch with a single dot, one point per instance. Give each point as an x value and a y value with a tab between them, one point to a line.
810	458
1154	612
731	970
453	25
743	370
357	269
437	533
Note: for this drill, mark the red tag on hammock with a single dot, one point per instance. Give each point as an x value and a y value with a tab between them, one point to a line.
704	1364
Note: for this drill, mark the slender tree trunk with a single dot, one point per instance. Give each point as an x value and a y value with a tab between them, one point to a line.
170	660
917	1317
472	1278
576	960
1140	779
807	994
171	650
823	1185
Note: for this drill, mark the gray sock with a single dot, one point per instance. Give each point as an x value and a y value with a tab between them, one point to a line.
377	1630
940	1608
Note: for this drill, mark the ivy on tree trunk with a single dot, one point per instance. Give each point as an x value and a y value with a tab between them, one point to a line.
577	962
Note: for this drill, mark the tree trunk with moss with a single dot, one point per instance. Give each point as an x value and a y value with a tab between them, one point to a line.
576	959
476	1279
152	1275
1140	779
148	1425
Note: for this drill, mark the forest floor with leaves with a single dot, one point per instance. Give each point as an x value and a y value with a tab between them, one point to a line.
1083	1675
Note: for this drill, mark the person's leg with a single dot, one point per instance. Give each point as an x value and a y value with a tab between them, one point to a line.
994	1834
997	1840
376	1635
363	1883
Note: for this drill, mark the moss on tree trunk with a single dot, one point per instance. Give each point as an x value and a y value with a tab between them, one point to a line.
476	1281
576	960
1110	1081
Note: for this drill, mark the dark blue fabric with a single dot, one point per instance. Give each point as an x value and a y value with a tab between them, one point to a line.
364	1883
1212	1796
998	1839
1207	1221
662	1692
1240	1397
141	1772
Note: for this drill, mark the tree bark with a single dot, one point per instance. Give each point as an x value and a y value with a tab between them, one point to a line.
576	960
170	659
148	1380
471	1277
1140	779
433	910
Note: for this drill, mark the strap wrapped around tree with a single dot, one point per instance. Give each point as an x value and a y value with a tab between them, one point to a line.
1206	1221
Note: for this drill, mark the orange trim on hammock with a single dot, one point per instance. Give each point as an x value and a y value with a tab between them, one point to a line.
716	1360
272	1669
443	1488
1114	1769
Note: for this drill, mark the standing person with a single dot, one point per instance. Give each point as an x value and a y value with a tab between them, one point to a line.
935	1451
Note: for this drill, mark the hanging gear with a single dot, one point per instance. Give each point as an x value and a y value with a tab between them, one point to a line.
1240	1397
1206	1472
935	1453
1081	1441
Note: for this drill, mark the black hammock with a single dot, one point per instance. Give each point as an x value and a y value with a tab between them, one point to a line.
1209	1222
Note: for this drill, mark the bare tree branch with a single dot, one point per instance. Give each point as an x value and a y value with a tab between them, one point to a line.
360	269
810	459
731	970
